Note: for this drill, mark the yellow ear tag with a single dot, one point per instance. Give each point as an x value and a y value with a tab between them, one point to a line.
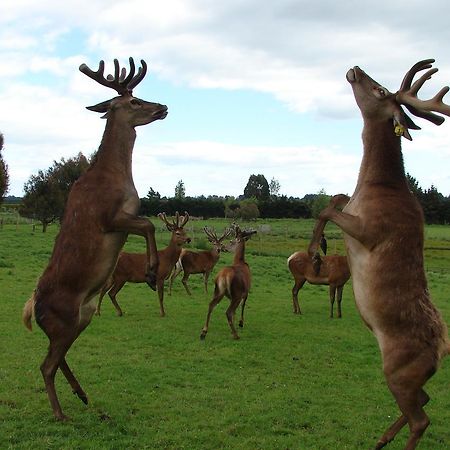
399	130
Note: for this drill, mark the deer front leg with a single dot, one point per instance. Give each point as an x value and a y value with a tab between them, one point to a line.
339	200
349	224
160	288
141	227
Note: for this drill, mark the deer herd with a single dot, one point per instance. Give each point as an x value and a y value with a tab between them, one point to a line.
382	225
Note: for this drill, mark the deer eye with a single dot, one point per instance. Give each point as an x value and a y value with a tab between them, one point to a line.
135	101
380	92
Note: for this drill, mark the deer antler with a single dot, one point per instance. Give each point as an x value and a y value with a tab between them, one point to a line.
407	94
184	219
175	222
211	234
120	82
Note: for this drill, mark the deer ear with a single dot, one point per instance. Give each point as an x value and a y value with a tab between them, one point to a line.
102	107
401	124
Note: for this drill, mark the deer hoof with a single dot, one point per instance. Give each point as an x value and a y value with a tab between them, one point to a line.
82	396
150	278
61	417
202	336
241	324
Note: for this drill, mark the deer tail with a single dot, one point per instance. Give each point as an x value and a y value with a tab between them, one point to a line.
28	312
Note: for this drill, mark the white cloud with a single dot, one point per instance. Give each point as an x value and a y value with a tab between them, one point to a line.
296	51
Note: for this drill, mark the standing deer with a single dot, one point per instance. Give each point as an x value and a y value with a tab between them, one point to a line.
383	231
131	266
233	282
331	270
191	262
100	213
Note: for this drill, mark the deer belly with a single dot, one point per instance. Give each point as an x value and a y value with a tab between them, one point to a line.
361	280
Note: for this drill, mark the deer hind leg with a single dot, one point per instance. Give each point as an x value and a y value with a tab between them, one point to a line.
340	289
212	304
112	295
297	286
76	388
406	385
176	271
104	290
241	322
332	298
62	331
184	281
205	280
421	400
160	289
230	317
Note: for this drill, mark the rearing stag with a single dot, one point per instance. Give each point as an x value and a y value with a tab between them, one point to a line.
100	213
383	231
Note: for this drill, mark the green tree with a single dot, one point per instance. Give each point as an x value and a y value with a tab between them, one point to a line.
414	187
248	209
433	204
319	203
4	176
274	188
42	200
257	187
231	208
180	191
46	193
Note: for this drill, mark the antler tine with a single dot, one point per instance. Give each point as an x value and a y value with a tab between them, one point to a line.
128	79
210	233
120	81
139	77
226	233
163	217
409	76
185	219
407	95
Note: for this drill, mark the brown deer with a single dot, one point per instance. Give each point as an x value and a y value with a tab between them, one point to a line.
131	266
203	262
233	282
383	232
332	271
101	211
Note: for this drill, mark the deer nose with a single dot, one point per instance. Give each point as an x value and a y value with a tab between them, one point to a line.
188	240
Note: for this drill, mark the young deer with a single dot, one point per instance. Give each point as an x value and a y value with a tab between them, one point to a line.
383	231
131	266
191	262
232	281
100	213
332	271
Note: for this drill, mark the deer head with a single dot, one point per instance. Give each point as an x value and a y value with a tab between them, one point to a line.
239	236
132	109
176	227
216	241
377	103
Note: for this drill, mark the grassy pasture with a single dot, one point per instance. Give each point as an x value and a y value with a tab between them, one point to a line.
291	382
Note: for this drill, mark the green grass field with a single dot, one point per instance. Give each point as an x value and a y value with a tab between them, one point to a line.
291	382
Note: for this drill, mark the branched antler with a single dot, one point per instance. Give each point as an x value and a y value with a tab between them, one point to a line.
212	236
120	82
407	94
175	222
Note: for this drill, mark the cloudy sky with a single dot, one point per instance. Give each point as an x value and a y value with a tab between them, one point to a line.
252	87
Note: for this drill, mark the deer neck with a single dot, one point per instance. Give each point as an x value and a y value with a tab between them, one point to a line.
173	251
215	253
382	161
116	148
239	254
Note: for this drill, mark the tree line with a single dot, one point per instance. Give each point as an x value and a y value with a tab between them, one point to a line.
46	195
